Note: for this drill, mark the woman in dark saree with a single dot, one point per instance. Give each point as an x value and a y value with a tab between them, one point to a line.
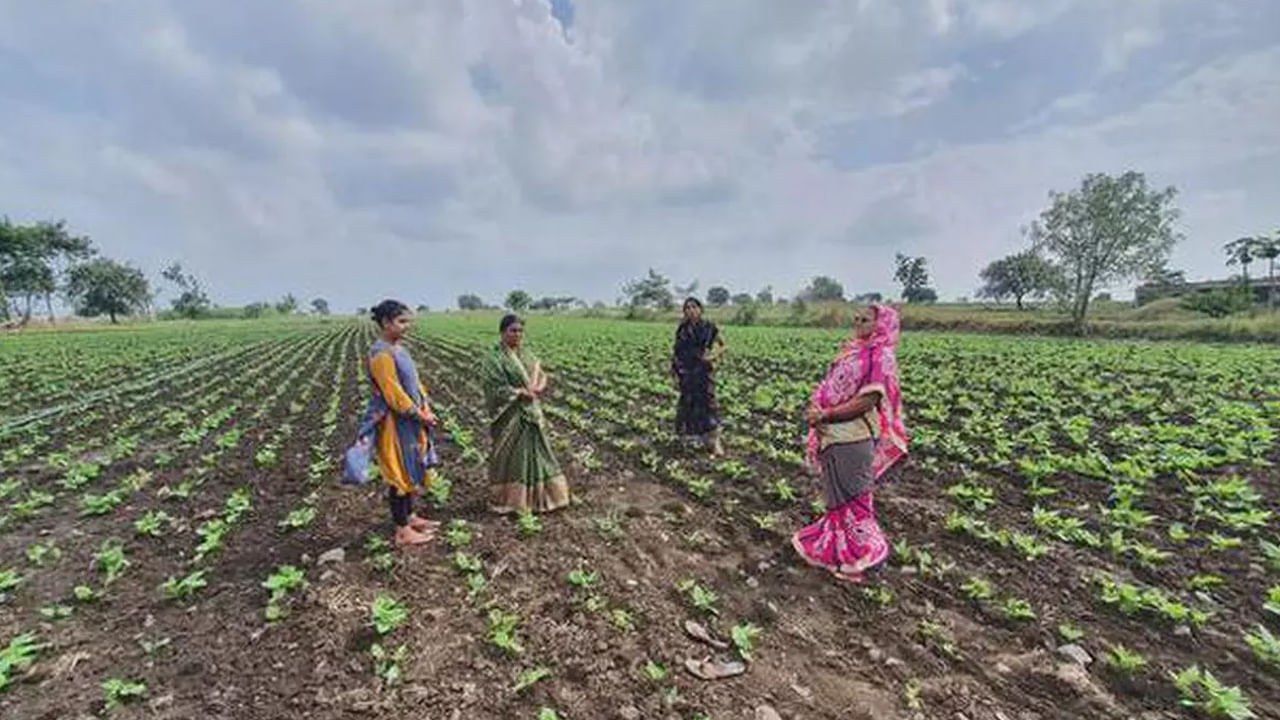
698	347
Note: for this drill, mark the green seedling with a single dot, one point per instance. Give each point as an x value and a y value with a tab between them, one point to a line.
182	589
1124	660
702	598
528	524
529	678
502	631
153	524
387	614
121	692
299	518
458	534
111	561
745	637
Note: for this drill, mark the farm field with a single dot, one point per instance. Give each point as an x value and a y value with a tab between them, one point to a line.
1083	530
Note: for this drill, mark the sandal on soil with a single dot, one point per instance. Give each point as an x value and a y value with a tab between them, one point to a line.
707	669
699	632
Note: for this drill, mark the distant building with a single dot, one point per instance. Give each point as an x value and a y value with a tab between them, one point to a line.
1147	293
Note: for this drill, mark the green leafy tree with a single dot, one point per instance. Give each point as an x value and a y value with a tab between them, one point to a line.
33	258
653	290
470	302
1107	230
257	310
554	303
106	287
518	301
1241	252
320	306
718	296
743	299
1019	276
913	274
823	289
192	302
1268	248
287	305
765	296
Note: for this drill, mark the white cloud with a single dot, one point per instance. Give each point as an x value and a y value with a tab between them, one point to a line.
431	149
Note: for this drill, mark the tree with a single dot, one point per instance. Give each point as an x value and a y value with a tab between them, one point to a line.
1241	252
913	274
743	299
686	291
287	305
653	290
422	309
320	306
823	289
256	310
1022	275
765	296
59	249
106	287
518	301
1268	248
32	259
470	302
1108	230
718	296
192	302
869	298
924	295
554	303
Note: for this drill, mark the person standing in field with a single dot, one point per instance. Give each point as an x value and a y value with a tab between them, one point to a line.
698	347
523	472
856	433
398	417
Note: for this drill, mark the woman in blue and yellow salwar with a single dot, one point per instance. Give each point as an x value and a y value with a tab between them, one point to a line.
398	418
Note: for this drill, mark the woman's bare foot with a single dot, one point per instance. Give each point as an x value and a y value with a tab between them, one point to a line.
406	536
423	525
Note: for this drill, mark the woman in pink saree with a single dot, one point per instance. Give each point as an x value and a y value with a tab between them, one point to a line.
856	433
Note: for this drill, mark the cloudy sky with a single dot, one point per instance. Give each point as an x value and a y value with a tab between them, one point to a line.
423	148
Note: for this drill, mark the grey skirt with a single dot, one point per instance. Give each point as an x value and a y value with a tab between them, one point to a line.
846	471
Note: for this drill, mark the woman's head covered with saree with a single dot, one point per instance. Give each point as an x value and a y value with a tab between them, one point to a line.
868	363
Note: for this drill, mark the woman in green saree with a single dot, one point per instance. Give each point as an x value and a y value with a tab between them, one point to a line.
523	473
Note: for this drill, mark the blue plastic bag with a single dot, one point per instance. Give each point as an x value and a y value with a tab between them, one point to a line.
355	462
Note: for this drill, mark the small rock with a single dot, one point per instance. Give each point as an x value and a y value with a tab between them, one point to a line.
1076	654
629	713
893	662
162	702
875	654
1003	669
765	712
327	575
336	555
632	583
306	558
753	583
764	565
802	691
1182	631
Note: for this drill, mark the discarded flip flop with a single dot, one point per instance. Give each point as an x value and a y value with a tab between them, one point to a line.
706	669
699	632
